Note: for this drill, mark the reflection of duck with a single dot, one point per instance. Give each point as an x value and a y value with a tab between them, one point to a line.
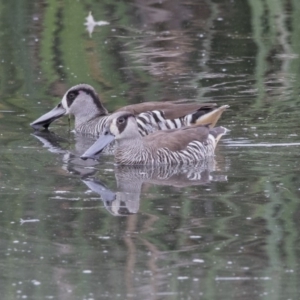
70	156
178	146
91	116
130	179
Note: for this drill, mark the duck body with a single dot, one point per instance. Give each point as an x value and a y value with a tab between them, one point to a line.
91	116
172	147
161	148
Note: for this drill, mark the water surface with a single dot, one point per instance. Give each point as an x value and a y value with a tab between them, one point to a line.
228	228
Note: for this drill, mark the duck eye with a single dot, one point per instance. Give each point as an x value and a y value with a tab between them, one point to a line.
71	96
121	120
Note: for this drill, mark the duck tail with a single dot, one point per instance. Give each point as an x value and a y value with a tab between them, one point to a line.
218	132
210	117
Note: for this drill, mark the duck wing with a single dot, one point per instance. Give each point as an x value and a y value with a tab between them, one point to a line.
176	139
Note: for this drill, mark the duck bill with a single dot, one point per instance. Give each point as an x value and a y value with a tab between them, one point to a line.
98	146
46	119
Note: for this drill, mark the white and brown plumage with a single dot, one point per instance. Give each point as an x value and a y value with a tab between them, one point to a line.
175	146
91	116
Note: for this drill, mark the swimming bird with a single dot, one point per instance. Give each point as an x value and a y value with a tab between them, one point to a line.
185	145
91	116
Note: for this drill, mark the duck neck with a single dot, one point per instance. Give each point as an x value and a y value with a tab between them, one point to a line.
130	151
88	118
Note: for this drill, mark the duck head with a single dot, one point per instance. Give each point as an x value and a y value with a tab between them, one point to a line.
120	126
81	101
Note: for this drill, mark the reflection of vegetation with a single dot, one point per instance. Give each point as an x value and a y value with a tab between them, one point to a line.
45	49
275	54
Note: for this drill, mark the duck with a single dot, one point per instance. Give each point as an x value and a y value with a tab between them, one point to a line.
83	102
186	145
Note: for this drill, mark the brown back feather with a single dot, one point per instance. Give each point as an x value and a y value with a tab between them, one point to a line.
176	139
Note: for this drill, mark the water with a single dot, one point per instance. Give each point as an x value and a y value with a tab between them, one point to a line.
73	229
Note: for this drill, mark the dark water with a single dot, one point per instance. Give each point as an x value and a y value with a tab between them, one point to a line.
227	229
